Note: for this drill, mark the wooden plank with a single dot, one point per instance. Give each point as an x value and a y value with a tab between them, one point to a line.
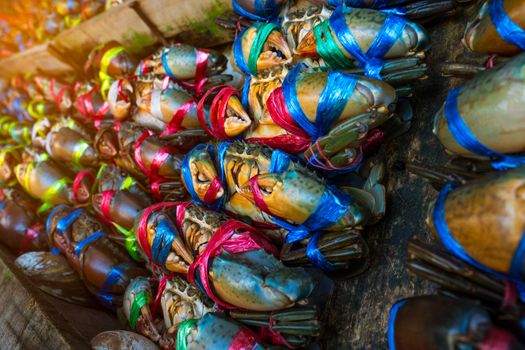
357	315
34	60
120	23
31	319
190	21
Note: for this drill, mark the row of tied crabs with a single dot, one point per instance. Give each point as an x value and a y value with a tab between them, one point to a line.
114	159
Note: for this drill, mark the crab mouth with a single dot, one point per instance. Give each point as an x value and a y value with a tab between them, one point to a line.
275	53
237	120
203	177
307	46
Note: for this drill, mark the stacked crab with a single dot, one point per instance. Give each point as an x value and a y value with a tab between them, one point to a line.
110	163
195	189
478	214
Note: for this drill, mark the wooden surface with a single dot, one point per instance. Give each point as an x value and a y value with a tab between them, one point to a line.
34	60
357	315
30	319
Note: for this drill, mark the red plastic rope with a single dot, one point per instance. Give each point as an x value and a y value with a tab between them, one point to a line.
497	339
234	237
175	123
78	180
217	111
31	234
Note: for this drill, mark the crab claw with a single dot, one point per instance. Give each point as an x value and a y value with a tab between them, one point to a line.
83	191
275	52
203	172
237	120
258	281
124	206
106	143
307	46
119	96
274	193
137	290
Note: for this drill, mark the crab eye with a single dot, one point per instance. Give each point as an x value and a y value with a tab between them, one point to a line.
279	54
266	190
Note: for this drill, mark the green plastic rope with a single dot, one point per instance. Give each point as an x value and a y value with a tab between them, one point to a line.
183	331
263	31
328	49
141	298
79	150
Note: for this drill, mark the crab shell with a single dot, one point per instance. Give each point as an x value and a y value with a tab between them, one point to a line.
181	59
365	25
163	104
217	331
274	47
438	323
295	194
62	145
486	217
16	218
98	259
38	177
111	177
124	207
120	66
369	96
492	106
145	322
481	35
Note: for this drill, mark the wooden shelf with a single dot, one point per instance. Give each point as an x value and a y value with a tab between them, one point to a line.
192	21
36	59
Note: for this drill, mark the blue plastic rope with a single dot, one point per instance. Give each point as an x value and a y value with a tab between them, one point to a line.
330	209
105	296
238	55
264	10
165	234
64	223
315	257
116	274
438	216
186	172
391	322
372	60
245	92
166	66
464	136
55	251
279	162
87	241
51	214
336	93
509	30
